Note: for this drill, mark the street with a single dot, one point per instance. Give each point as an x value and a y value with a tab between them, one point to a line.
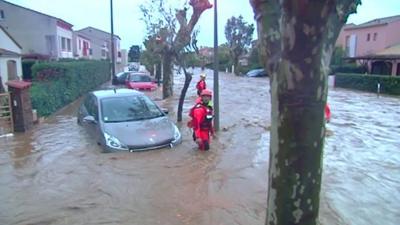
54	174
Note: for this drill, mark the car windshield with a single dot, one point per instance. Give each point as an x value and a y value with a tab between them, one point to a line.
139	78
120	74
128	108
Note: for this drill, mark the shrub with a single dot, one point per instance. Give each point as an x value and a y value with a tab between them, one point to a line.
27	69
56	84
348	68
363	82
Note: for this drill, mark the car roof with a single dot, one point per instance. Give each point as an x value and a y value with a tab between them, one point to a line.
116	92
139	73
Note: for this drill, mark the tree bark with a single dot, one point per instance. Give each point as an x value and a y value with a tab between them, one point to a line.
168	75
236	63
297	39
188	79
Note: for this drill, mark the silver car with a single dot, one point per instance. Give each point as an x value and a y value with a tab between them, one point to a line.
128	120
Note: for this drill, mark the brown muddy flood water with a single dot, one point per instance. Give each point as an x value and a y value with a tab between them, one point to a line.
54	174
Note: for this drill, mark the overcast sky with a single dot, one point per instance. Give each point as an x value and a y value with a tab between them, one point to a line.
127	23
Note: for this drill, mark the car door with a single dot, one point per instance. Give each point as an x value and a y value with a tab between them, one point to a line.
122	78
90	125
83	112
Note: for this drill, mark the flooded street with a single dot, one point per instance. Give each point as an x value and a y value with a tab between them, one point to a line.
55	174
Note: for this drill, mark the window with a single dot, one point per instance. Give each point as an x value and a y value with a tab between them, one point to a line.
90	51
103	53
375	36
80	44
139	78
91	106
368	36
68	44
347	48
1	15
63	44
128	108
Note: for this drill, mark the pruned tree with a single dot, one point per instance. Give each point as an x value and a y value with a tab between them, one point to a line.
161	21
297	40
149	57
239	35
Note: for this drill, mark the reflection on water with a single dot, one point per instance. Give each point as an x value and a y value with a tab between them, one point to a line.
54	174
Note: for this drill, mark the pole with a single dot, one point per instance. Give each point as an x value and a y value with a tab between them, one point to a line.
378	87
112	45
216	65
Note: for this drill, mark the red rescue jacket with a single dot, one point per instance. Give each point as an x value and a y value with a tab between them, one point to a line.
327	113
201	85
201	119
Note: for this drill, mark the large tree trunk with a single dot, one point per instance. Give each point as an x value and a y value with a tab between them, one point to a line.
168	75
297	40
236	64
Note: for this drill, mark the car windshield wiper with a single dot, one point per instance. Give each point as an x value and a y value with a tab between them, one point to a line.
121	121
156	116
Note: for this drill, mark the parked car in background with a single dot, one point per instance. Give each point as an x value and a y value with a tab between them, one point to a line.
126	120
140	82
257	73
120	78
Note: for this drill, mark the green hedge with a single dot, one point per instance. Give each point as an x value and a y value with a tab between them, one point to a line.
364	82
348	68
56	84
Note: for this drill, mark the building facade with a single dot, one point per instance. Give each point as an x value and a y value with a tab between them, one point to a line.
37	33
82	47
101	43
374	44
10	59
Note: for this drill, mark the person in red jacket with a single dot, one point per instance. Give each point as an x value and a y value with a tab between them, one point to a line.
327	113
202	115
201	85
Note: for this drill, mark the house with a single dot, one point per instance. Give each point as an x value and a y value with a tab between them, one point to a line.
81	46
368	42
101	43
386	62
38	34
10	59
206	52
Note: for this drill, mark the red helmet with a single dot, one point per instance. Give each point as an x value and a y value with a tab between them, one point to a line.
206	92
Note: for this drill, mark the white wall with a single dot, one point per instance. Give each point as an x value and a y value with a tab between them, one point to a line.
61	32
79	51
4	72
331	81
7	43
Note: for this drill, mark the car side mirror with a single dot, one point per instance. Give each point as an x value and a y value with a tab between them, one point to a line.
89	119
165	111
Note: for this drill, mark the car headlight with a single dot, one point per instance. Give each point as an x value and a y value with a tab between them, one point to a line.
177	135
113	142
